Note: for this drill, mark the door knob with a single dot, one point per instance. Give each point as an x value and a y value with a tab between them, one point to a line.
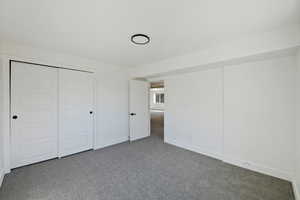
132	114
15	117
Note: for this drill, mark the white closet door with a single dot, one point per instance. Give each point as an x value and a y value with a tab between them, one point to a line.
34	103
75	112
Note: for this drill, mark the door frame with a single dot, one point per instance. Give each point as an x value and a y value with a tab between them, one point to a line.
5	62
159	79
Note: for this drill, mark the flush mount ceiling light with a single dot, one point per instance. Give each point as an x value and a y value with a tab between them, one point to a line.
140	39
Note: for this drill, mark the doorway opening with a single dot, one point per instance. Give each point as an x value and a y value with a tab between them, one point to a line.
157	102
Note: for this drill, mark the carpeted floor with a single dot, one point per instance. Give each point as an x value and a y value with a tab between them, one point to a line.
145	169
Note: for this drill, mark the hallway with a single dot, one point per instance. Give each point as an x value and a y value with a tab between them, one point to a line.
157	123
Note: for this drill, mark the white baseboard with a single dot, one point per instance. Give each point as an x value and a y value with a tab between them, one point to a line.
296	190
111	143
1	177
195	149
259	168
240	163
7	171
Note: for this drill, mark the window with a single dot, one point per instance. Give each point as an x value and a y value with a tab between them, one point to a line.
159	98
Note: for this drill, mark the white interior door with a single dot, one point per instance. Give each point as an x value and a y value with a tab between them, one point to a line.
75	112
139	109
34	113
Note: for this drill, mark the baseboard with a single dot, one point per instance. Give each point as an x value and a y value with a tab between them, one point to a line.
1	177
296	190
259	168
240	163
203	151
7	171
112	143
139	138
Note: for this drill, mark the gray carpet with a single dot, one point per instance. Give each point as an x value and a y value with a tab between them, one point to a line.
142	170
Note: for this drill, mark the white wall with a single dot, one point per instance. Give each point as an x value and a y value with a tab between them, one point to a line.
256	129
259	115
112	108
193	111
297	172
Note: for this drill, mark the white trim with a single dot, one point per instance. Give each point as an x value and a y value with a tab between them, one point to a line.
223	113
112	143
196	149
149	107
259	168
6	114
157	110
1	177
244	164
94	109
296	190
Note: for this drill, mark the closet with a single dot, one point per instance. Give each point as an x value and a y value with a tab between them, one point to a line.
51	112
75	112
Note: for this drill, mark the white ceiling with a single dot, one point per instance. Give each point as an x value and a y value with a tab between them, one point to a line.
101	29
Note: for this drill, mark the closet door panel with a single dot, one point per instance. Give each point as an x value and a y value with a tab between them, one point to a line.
34	110
75	107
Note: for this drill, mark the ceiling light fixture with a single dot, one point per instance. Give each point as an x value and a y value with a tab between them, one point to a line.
140	39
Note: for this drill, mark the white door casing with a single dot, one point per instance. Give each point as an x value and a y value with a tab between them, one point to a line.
34	102
139	109
75	112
